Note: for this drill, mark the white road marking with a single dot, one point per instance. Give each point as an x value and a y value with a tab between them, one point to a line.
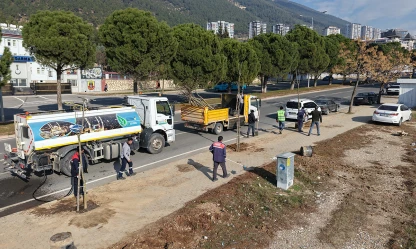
109	176
18	105
4	173
180	133
44	98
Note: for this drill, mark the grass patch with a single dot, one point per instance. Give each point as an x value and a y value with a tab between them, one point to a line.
6	129
278	93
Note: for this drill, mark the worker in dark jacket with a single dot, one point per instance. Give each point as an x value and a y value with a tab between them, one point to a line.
75	171
251	122
316	119
218	155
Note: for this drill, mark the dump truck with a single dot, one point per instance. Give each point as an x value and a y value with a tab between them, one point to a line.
223	116
48	140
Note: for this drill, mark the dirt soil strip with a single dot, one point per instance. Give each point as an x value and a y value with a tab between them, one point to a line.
355	192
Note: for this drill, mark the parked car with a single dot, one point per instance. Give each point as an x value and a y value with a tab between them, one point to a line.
326	78
392	113
393	89
292	107
327	105
223	86
368	98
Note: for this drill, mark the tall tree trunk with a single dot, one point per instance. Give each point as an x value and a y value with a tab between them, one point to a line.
1	105
315	81
330	79
59	88
380	91
264	84
229	87
292	83
358	77
352	97
135	86
163	86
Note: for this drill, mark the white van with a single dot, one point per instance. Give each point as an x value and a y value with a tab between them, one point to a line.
292	107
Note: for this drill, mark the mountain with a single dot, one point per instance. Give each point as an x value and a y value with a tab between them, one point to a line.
174	12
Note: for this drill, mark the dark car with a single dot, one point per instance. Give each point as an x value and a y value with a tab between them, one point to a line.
327	105
365	98
326	78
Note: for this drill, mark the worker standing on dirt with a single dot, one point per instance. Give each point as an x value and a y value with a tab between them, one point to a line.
218	155
125	159
301	118
281	119
251	122
75	173
316	119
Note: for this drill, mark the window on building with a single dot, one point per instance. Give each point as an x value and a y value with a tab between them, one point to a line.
73	82
22	82
14	43
8	43
38	70
50	73
14	82
42	70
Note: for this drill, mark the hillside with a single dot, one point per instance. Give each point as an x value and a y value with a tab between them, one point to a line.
179	11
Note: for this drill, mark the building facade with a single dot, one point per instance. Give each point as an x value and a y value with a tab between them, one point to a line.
331	30
256	28
24	68
367	33
280	29
376	33
353	31
215	26
392	33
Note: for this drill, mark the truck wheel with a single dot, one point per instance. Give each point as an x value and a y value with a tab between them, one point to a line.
65	164
217	128
156	143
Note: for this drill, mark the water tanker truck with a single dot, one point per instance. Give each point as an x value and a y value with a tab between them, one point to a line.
47	141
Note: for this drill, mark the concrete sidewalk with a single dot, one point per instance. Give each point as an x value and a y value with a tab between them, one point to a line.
126	206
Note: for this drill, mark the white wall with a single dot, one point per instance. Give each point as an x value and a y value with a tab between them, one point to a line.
407	92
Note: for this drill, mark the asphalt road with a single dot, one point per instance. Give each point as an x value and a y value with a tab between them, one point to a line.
17	195
33	103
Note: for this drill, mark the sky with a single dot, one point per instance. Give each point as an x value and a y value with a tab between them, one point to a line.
383	14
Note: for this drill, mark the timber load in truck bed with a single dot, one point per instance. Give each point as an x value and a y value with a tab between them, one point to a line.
202	115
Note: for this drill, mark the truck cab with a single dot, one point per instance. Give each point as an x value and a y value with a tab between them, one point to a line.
157	119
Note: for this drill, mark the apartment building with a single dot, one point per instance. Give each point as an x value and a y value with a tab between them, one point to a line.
331	30
215	26
376	33
353	31
280	29
367	33
256	28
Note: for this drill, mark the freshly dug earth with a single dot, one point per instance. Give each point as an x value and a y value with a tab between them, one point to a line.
369	170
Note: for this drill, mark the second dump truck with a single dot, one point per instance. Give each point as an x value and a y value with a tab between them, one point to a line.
222	116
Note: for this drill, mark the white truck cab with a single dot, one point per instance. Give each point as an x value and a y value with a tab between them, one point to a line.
157	119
